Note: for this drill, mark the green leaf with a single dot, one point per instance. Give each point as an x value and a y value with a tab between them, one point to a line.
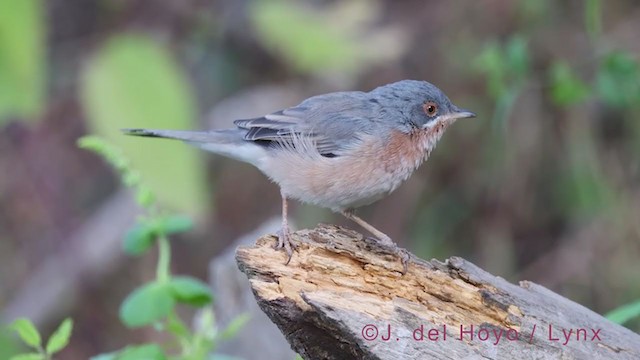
593	20
618	80
60	338
235	326
191	291
22	58
139	239
8	344
147	304
176	224
624	313
145	196
517	54
222	357
142	352
566	87
106	356
29	356
28	332
491	63
134	82
176	327
308	42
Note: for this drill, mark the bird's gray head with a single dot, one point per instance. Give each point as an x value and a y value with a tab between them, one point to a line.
420	104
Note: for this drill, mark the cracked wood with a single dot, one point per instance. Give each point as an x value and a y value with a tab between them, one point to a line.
341	289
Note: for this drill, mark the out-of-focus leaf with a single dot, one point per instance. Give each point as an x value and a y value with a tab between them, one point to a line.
534	11
133	82
592	18
191	291
491	63
176	224
583	187
505	67
301	37
618	80
624	313
145	196
22	58
107	356
222	357
60	338
147	304
333	39
8	343
235	326
566	87
142	352
517	54
29	356
27	332
139	239
176	327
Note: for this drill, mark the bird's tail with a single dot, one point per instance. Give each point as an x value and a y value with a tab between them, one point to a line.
227	142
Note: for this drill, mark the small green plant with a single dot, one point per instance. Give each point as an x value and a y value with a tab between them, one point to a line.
154	303
624	313
506	68
32	338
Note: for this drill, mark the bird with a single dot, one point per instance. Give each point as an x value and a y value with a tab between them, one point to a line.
340	150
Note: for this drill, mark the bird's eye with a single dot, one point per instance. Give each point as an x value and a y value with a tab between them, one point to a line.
430	108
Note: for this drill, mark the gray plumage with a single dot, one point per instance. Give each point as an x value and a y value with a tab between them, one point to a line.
332	122
340	150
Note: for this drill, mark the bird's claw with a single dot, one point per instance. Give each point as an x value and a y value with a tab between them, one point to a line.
402	253
405	257
284	242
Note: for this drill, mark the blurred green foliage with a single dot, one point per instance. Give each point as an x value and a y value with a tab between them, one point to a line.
334	39
505	67
624	313
22	59
133	82
8	346
32	338
593	18
583	189
566	87
618	80
154	303
135	352
303	38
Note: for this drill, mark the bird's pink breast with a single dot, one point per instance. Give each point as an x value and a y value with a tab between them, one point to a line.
370	171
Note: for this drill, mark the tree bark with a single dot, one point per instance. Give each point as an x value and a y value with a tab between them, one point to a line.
344	297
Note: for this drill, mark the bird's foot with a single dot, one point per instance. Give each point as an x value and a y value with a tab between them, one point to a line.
284	242
402	253
405	257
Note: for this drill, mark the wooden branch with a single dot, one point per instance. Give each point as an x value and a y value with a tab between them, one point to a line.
344	297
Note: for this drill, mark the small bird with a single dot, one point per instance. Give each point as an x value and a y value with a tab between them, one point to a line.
340	150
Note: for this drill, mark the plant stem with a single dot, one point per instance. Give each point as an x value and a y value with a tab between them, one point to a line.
164	259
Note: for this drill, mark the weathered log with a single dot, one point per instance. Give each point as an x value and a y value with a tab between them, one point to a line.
342	296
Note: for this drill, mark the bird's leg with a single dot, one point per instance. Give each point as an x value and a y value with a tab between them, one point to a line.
284	235
384	238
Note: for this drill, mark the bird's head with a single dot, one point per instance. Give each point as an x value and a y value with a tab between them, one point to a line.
421	104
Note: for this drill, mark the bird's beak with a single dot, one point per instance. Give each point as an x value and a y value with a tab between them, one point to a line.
462	114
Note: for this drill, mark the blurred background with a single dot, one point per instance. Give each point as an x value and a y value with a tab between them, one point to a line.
543	185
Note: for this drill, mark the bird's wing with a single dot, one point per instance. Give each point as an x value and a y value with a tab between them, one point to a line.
331	122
